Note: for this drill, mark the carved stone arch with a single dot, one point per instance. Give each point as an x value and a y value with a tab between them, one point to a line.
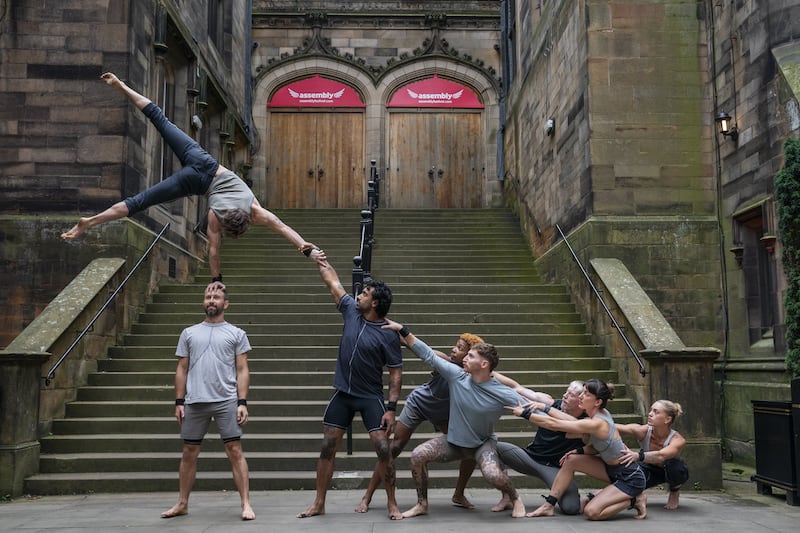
457	71
474	78
270	80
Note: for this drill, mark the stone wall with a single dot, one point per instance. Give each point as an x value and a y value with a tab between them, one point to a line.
750	86
71	146
629	157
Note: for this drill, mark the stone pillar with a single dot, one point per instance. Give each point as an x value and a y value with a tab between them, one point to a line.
20	380
686	376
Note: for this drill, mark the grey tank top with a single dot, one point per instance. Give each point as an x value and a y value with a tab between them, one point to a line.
609	448
645	444
229	191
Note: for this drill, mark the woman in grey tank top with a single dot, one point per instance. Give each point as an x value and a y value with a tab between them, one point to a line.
660	448
601	459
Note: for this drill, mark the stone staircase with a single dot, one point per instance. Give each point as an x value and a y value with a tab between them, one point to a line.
451	271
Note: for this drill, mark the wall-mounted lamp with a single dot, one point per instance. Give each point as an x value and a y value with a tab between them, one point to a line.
727	128
550	127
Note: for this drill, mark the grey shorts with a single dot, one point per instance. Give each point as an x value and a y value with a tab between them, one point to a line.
411	417
197	417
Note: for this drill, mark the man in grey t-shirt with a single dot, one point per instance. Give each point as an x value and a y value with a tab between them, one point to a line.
212	381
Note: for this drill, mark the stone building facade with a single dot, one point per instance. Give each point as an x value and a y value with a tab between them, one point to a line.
634	168
72	146
591	116
378	49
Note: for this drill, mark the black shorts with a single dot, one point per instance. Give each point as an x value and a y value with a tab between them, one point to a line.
342	408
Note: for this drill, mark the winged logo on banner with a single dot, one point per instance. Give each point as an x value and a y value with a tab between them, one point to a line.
412	94
294	94
338	94
457	95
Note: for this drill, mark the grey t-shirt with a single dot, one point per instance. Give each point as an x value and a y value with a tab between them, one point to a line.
212	349
474	407
229	191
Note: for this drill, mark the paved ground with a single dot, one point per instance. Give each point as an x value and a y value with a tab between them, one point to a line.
736	508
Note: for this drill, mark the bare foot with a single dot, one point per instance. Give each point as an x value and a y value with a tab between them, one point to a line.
247	512
519	509
363	505
641	506
503	505
672	500
312	511
394	513
179	509
76	231
544	510
417	510
462	501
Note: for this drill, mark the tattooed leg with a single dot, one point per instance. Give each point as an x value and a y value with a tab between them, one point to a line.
436	450
386	465
492	470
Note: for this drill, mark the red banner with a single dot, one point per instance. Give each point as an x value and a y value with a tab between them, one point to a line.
435	92
316	92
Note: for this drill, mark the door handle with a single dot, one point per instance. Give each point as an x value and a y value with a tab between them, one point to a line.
430	173
440	173
320	173
310	172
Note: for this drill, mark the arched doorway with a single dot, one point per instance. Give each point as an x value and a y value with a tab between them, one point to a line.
315	153
434	150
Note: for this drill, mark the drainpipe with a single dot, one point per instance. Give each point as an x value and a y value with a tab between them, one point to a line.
248	78
723	262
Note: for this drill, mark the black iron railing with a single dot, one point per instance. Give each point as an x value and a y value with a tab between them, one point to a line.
603	303
362	269
49	377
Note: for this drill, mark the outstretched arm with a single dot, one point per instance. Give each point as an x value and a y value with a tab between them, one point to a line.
525	392
331	279
138	100
267	218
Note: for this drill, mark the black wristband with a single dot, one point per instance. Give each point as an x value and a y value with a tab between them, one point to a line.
391	406
307	252
217	278
240	401
641	455
404	332
526	413
547	409
579	451
180	401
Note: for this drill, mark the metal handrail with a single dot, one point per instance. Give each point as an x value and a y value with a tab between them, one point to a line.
603	303
49	377
362	271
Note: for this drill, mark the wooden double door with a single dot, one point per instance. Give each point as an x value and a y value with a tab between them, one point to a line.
316	160
434	160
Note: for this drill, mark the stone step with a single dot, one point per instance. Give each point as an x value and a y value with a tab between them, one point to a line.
427	331
456	315
450	272
258	424
167	481
137	393
578	351
324	378
511	367
276	338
